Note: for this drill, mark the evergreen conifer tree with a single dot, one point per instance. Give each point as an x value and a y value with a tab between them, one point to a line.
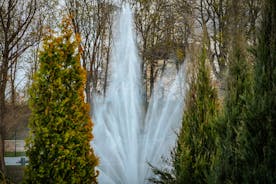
60	126
194	153
261	124
193	156
230	158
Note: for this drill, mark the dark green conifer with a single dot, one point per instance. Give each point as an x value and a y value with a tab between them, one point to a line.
261	125
230	158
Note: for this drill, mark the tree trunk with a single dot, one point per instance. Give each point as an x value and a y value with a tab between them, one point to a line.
151	77
2	161
106	71
2	127
12	80
3	83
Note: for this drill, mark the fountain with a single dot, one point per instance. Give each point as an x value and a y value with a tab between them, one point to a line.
127	135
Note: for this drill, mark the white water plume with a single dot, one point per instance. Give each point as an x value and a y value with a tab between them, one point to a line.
127	136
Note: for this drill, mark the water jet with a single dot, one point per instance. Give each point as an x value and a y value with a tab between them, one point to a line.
126	135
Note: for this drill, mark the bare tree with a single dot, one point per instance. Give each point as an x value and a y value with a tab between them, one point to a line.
92	21
16	37
217	16
164	28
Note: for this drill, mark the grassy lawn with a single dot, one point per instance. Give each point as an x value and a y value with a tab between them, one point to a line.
13	154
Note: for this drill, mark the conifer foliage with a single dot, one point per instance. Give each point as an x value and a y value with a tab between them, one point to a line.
196	143
194	154
261	125
236	103
60	127
239	144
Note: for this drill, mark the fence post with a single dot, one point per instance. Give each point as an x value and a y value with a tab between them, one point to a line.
15	143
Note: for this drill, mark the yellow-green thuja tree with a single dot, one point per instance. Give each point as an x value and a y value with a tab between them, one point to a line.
58	146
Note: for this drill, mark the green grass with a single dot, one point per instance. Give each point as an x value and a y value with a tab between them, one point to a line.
13	154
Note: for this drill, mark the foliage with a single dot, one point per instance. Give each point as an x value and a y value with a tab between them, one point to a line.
162	176
194	152
247	151
60	127
261	127
230	158
4	179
